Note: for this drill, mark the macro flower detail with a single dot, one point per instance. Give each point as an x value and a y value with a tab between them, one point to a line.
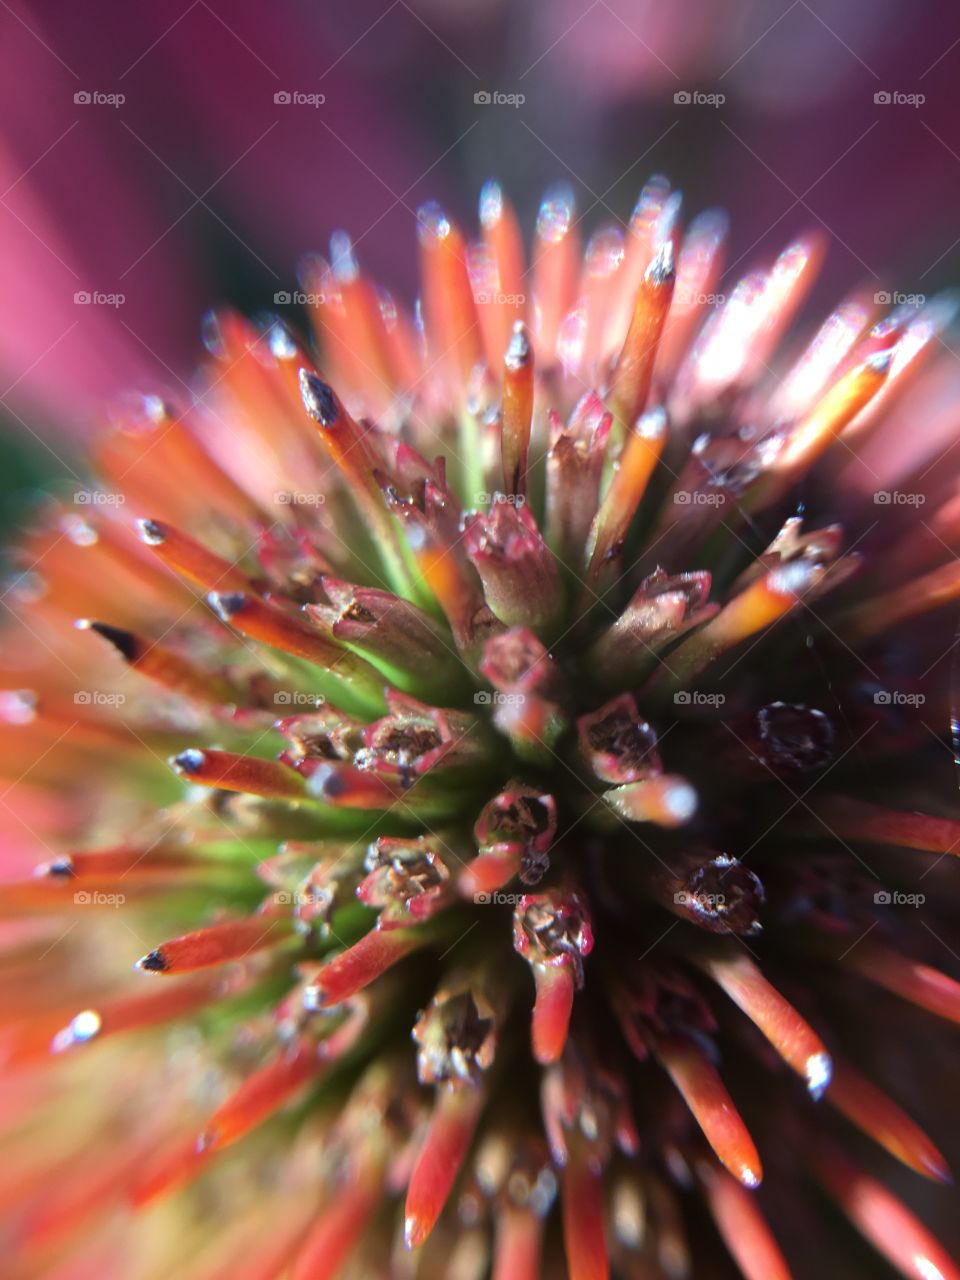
504	735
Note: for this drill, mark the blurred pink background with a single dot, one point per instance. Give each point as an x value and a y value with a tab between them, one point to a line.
200	187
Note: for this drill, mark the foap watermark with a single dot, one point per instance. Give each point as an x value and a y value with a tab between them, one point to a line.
894	698
493	297
484	698
498	899
699	498
502	499
94	898
897	498
894	298
496	98
297	297
95	98
696	98
896	98
293	898
96	298
98	698
684	899
694	698
298	498
692	298
98	498
293	698
297	98
894	898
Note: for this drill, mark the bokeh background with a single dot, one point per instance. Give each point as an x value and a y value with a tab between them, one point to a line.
145	153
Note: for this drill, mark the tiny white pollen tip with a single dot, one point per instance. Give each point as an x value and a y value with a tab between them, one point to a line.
881	361
819	1072
681	800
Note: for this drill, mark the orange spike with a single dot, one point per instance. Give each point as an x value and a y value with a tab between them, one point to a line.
586	339
339	1227
633	372
124	860
162	665
871	1110
229	771
503	244
518	1245
883	1220
640	455
138	1011
262	1094
257	374
85	1189
359	965
555	268
743	1227
362	322
357	455
450	1132
217	944
698	271
923	986
555	984
451	316
712	1107
172	1167
921	595
346	786
266	1242
764	602
339	330
860	820
178	467
812	436
792	1037
248	614
581	1191
107	563
192	561
653	220
517	410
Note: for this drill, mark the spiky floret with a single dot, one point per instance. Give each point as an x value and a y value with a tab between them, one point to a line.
539	688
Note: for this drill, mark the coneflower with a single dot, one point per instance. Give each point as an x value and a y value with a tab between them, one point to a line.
509	739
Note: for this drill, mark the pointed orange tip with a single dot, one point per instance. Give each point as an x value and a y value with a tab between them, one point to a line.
450	1132
792	1037
705	1094
881	1119
414	1232
358	966
216	944
883	1219
262	1094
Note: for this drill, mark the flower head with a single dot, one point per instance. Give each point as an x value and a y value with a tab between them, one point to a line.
500	736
